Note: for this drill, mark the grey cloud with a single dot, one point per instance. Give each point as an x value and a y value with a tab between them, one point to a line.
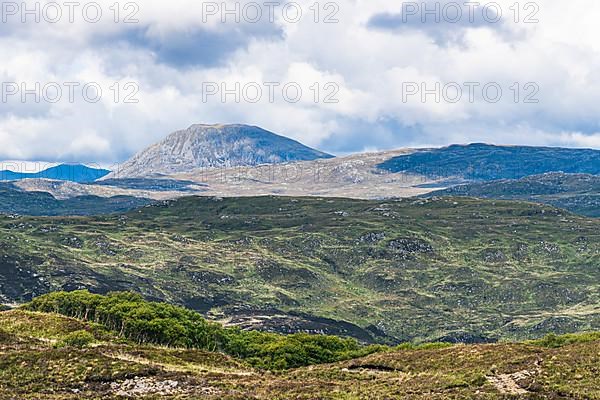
444	21
356	135
195	46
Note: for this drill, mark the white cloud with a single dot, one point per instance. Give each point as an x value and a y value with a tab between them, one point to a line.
577	139
172	52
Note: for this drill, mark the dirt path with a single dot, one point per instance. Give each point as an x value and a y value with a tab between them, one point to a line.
507	383
177	368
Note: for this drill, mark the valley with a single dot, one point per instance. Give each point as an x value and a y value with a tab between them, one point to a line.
360	200
16	201
230	262
451	269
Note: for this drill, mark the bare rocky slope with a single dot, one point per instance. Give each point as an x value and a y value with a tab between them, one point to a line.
242	161
215	146
353	176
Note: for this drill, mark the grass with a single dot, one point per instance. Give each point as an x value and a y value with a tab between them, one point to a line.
406	270
50	327
113	369
557	341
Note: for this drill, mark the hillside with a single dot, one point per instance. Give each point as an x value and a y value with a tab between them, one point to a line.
16	201
579	193
454	269
156	189
215	146
64	172
483	162
353	176
388	174
52	356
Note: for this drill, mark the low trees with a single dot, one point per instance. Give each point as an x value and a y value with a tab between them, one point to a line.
135	319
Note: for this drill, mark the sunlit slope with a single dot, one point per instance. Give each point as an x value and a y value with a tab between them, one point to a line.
453	269
54	357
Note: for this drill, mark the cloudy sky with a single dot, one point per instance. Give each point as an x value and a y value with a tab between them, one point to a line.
344	76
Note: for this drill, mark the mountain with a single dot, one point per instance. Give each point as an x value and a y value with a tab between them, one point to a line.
215	146
578	193
49	355
16	201
147	188
361	176
483	162
353	176
64	172
451	269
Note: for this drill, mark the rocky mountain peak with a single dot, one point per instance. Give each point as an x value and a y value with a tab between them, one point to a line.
215	146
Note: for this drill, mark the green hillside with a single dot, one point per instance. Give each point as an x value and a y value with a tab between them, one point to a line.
454	269
579	193
17	201
51	356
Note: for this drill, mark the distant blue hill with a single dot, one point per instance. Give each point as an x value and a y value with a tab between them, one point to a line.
483	162
64	172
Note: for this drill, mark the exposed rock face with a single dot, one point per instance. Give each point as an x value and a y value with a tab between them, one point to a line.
215	146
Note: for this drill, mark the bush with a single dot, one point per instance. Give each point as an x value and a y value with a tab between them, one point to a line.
133	318
555	341
424	346
77	339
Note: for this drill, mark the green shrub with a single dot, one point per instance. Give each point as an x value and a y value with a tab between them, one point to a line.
77	339
556	341
133	318
424	346
479	380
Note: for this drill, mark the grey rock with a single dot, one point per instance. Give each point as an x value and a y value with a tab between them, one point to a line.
215	146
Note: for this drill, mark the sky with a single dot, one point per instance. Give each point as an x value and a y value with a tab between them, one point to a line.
98	81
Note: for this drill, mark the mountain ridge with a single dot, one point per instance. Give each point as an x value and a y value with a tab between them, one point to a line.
578	193
79	173
215	146
19	202
484	162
